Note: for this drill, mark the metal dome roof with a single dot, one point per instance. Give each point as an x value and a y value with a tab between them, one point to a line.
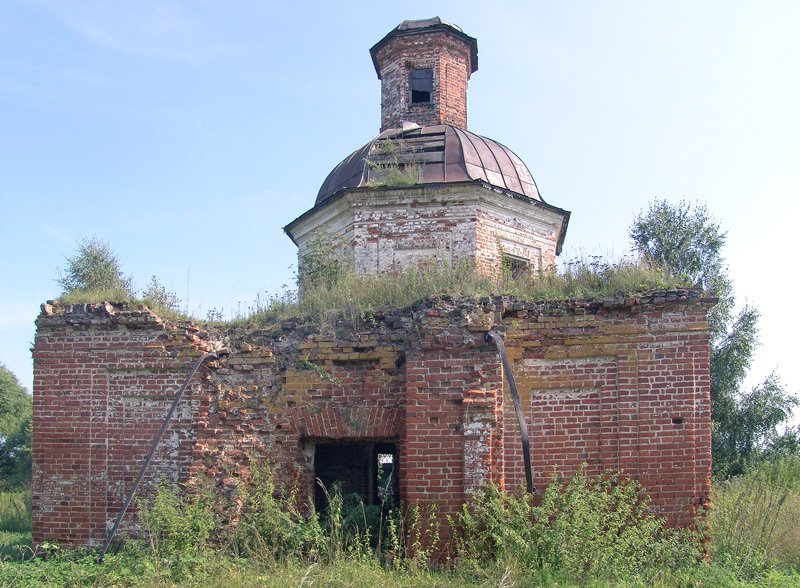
415	155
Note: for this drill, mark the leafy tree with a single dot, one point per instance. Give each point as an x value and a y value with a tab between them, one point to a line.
94	268
16	414
687	242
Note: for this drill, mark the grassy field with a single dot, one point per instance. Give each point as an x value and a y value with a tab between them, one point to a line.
583	533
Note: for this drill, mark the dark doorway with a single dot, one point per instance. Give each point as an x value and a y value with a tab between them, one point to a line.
366	469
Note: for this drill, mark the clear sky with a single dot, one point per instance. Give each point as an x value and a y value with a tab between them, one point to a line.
188	133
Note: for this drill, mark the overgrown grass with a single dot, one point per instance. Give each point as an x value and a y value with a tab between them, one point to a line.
15	510
356	296
158	305
755	520
335	290
15	521
91	296
585	532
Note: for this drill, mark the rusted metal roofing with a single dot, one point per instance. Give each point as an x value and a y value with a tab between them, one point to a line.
430	155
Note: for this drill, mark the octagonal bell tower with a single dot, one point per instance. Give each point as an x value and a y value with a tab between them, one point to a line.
424	67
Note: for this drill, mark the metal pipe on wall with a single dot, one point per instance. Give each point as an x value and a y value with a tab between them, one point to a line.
494	337
152	451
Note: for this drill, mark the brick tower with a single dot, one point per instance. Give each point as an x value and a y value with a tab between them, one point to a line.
424	67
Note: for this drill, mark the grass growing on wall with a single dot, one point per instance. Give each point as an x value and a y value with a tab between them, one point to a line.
330	286
354	296
157	305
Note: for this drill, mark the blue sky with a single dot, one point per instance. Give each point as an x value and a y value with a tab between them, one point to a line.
187	134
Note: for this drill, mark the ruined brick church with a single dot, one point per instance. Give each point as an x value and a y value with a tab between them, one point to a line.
421	392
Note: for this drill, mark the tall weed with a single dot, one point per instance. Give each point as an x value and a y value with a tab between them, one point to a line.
15	511
344	293
754	519
176	524
15	523
273	526
413	538
584	529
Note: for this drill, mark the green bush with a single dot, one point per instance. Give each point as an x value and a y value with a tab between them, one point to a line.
16	426
585	529
95	268
162	300
177	524
272	526
324	262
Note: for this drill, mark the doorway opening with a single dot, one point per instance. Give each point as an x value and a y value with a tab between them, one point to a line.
367	469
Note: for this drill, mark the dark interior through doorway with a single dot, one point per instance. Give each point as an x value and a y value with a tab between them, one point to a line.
368	469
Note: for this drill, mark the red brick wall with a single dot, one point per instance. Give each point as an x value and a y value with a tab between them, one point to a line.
619	384
445	382
277	404
448	56
103	382
618	388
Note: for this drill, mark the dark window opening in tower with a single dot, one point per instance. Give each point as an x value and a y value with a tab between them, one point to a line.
421	83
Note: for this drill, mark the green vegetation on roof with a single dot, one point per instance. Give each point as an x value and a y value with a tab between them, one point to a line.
356	296
328	286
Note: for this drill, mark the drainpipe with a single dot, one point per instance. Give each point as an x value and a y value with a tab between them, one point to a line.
153	448
494	337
